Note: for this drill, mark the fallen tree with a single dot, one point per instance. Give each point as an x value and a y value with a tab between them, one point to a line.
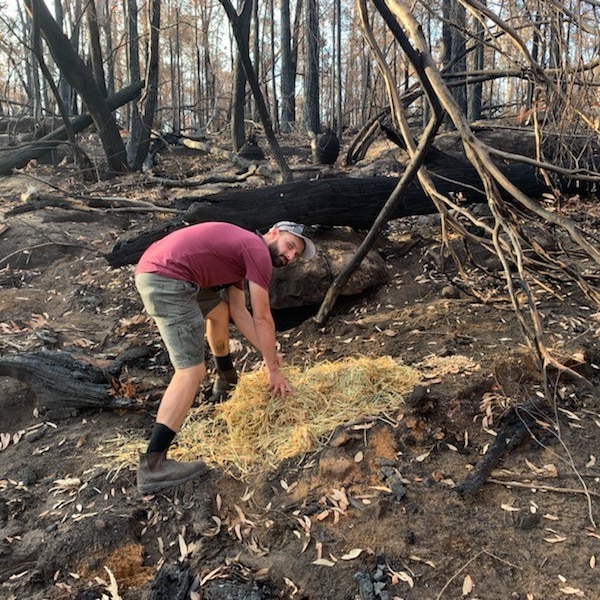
329	202
63	384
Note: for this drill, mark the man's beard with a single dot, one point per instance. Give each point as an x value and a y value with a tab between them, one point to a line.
276	258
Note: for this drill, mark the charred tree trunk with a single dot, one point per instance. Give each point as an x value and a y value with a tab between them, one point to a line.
20	157
344	202
242	44
76	73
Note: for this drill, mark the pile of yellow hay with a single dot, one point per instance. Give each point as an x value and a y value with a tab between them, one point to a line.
253	430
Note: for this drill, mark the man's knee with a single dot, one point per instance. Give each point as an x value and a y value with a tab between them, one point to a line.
221	347
193	375
219	315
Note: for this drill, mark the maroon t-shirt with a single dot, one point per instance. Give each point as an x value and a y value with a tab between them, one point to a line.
210	254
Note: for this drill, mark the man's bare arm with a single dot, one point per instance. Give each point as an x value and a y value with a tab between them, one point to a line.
265	333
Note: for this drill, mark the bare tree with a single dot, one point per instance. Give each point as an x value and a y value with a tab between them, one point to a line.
242	43
133	64
75	71
506	236
272	61
475	89
150	99
96	58
288	70
238	96
312	117
454	59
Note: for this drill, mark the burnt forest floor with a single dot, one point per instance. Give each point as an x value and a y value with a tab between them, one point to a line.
392	525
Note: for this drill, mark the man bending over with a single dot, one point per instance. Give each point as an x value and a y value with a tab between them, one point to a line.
181	279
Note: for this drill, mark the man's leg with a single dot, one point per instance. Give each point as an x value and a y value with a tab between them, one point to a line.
217	335
179	396
174	307
155	471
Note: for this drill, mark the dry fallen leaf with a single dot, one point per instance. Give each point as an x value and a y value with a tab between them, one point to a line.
533	468
323	562
323	515
291	585
556	539
572	592
404	576
183	549
354	553
422	560
113	588
467	586
570	415
214	574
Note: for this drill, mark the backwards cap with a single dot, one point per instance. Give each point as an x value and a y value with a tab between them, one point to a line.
298	231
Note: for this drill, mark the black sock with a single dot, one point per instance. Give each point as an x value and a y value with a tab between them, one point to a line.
224	363
160	439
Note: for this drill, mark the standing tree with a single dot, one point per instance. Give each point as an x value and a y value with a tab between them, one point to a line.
312	118
95	47
475	89
272	60
238	96
337	69
455	57
133	64
288	70
150	100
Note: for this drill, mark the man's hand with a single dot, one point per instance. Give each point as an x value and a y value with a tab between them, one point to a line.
278	385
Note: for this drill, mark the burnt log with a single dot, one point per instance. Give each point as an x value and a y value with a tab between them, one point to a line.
514	428
347	202
172	582
63	384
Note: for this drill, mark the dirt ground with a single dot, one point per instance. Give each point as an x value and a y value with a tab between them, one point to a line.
323	526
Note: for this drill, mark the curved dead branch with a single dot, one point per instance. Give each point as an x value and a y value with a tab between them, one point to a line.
525	264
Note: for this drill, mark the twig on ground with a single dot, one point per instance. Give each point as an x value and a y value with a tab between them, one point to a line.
471	561
543	488
458	573
4	259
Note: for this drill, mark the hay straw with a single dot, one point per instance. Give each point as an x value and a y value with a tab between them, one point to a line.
253	431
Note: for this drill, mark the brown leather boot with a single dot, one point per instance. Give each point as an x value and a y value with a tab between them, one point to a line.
156	472
223	385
